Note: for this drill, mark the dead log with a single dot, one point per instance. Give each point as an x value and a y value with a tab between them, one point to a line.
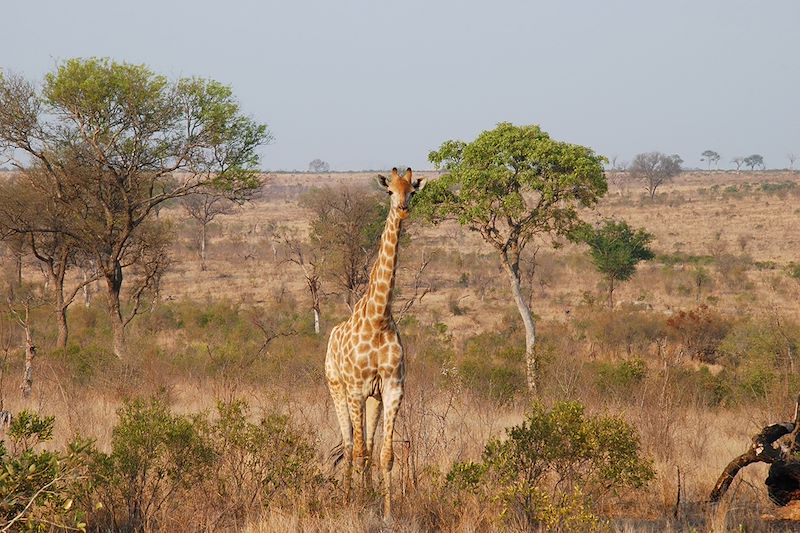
775	445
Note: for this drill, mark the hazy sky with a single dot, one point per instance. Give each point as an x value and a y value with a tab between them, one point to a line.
371	84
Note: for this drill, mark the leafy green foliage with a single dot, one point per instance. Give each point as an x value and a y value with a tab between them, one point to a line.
257	464
616	249
161	460
492	365
551	469
620	377
155	457
38	489
511	183
108	144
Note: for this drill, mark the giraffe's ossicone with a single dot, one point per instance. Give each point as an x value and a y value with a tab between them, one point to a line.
364	365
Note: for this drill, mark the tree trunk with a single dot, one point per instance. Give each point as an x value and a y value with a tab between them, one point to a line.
56	277
316	321
30	353
530	327
63	329
114	286
87	299
203	248
610	292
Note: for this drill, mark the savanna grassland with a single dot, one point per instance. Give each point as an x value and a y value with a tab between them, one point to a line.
697	355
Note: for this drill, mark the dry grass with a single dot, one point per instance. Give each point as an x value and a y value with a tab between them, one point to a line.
442	421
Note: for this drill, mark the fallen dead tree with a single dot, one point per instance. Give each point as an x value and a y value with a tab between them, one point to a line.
778	446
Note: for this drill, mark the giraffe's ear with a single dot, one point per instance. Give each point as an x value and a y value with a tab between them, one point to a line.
419	184
382	181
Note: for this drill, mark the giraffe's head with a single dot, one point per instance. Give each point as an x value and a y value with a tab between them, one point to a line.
401	189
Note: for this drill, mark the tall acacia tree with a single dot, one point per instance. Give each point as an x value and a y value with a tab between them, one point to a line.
509	185
114	142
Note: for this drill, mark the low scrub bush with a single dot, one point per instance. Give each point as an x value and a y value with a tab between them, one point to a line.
553	470
620	377
492	364
39	489
625	330
156	458
699	332
167	471
255	464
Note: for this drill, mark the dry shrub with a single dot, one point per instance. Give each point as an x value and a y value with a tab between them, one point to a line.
626	330
699	332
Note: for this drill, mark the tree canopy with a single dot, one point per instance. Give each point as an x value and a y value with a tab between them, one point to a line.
109	142
616	249
710	157
509	185
654	168
754	161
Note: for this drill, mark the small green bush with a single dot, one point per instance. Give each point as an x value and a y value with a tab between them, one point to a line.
620	377
156	456
493	365
550	471
256	464
39	489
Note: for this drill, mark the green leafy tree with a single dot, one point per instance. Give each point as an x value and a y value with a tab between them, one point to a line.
754	161
509	185
654	169
616	249
109	143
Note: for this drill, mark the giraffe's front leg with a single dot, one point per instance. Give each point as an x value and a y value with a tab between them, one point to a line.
356	406
342	414
392	396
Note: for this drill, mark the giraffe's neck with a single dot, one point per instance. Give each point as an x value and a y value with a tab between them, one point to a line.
381	279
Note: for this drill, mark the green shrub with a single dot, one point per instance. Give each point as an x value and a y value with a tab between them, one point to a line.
256	465
493	365
156	456
551	470
620	377
39	489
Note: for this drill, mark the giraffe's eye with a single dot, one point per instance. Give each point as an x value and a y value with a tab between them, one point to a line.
389	192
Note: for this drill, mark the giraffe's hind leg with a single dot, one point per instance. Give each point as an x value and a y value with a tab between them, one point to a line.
373	414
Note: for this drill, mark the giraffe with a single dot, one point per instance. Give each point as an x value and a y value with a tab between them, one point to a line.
364	365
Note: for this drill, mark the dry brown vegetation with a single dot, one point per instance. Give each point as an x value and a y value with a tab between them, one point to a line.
698	353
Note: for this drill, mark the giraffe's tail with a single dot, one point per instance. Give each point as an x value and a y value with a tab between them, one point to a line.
336	455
